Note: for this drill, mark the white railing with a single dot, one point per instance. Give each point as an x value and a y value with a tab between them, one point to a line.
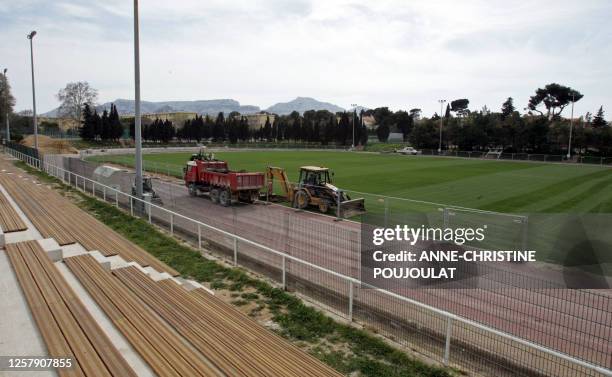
350	281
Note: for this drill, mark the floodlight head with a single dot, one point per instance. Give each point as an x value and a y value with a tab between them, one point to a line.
5	69
32	34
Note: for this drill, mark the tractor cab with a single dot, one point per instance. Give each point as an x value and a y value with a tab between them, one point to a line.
147	189
314	176
147	185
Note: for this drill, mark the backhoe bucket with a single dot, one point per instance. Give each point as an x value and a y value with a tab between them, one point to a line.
353	207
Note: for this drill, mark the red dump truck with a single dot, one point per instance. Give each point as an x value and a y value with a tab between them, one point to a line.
206	175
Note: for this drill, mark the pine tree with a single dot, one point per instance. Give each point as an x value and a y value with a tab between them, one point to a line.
343	129
116	125
267	130
383	131
507	108
87	131
207	126
218	133
104	126
132	128
363	139
97	125
599	121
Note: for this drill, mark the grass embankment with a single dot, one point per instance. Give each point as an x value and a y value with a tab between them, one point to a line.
341	346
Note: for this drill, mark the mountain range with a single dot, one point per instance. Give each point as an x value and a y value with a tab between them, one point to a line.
213	107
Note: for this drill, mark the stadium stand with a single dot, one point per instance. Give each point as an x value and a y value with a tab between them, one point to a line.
66	326
57	218
9	219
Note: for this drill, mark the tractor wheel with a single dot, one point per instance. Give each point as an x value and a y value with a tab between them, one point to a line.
300	200
225	198
249	196
323	206
193	191
214	195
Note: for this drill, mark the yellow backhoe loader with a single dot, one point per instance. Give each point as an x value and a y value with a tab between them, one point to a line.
314	189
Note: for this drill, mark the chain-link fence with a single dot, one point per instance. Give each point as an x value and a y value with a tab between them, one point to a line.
536	157
499	328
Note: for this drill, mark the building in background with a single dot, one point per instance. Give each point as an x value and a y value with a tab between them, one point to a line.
258	120
177	118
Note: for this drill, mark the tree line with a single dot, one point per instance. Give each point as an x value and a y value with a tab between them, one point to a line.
462	129
313	126
96	127
542	129
512	132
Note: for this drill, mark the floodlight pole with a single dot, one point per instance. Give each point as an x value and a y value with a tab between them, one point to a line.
442	101
6	107
137	120
34	121
569	144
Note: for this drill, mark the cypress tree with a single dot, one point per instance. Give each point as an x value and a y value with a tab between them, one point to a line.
86	130
598	120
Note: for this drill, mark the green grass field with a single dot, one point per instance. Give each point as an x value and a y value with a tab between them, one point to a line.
538	190
514	187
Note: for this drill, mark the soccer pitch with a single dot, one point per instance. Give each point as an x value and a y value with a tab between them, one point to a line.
502	186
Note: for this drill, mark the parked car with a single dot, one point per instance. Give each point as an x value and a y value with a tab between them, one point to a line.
408	151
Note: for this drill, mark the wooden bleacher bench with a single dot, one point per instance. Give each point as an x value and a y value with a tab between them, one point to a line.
10	221
56	217
165	351
236	344
66	326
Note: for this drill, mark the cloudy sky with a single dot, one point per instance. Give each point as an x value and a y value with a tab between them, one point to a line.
402	54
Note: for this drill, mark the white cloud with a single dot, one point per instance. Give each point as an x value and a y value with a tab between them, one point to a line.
400	53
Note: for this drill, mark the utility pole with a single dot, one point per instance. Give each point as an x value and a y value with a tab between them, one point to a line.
354	106
137	120
442	101
569	145
35	123
6	107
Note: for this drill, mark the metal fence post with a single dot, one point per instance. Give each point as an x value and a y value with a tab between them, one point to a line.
117	199
449	326
150	213
350	309
235	251
93	188
338	206
284	273
171	223
525	233
131	206
104	192
199	236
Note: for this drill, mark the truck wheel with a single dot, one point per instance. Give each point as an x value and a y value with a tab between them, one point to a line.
193	191
300	200
225	198
324	206
214	195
